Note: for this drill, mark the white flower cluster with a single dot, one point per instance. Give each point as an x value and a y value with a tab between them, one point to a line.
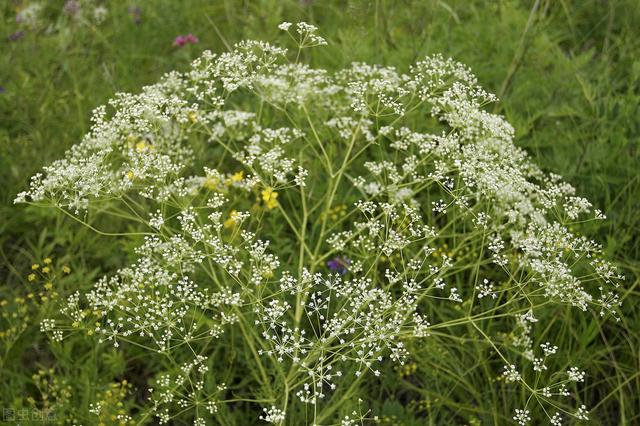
186	389
87	12
307	36
328	219
550	395
351	323
273	415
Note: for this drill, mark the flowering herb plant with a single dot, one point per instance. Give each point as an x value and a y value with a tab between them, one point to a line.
314	228
36	16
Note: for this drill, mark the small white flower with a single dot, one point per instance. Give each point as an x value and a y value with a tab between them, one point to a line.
522	417
273	415
511	374
575	375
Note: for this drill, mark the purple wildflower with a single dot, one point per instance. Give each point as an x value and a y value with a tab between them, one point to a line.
339	264
71	7
179	41
136	14
16	36
182	40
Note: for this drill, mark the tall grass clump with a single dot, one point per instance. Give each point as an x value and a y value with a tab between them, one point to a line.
301	233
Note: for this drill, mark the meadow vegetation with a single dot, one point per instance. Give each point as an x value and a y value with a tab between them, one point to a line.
425	262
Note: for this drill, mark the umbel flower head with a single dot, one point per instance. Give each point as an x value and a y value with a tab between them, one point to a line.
233	172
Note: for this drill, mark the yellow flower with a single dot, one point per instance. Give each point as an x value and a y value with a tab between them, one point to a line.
237	176
269	196
131	139
47	261
45	270
66	269
35	266
48	286
211	182
142	146
130	174
31	277
193	117
233	217
337	212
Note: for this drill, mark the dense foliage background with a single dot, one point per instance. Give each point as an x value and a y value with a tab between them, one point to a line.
568	76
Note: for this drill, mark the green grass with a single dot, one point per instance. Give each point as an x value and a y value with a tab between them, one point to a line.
567	73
